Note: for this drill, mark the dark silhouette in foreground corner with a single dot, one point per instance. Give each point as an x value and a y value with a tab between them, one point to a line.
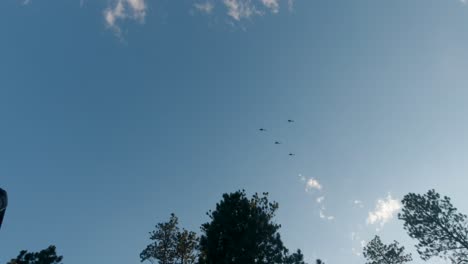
3	204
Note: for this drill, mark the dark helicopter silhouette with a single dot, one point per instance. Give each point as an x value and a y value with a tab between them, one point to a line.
292	154
262	129
277	142
290	121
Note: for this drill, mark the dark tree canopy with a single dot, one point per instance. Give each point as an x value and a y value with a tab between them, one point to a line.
186	245
433	221
170	245
295	258
46	256
377	252
242	231
163	247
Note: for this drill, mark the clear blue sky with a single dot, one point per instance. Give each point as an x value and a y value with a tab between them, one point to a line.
114	114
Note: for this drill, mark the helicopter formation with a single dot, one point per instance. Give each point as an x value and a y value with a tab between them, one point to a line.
4	196
263	130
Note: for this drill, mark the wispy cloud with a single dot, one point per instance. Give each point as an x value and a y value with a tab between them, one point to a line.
320	199
244	9
205	7
120	10
310	183
239	9
117	12
384	211
324	216
321	214
313	184
358	203
273	5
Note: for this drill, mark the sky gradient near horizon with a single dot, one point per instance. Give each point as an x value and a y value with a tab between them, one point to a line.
116	113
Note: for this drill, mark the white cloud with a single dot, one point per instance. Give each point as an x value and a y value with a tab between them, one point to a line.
239	9
321	214
384	211
112	14
313	184
324	216
320	199
123	10
117	12
206	7
273	5
138	6
358	203
310	184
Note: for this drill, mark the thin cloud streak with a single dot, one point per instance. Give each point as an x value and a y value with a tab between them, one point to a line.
206	7
240	9
273	5
358	203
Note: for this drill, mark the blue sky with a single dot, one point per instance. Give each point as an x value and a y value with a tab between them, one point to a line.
116	113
